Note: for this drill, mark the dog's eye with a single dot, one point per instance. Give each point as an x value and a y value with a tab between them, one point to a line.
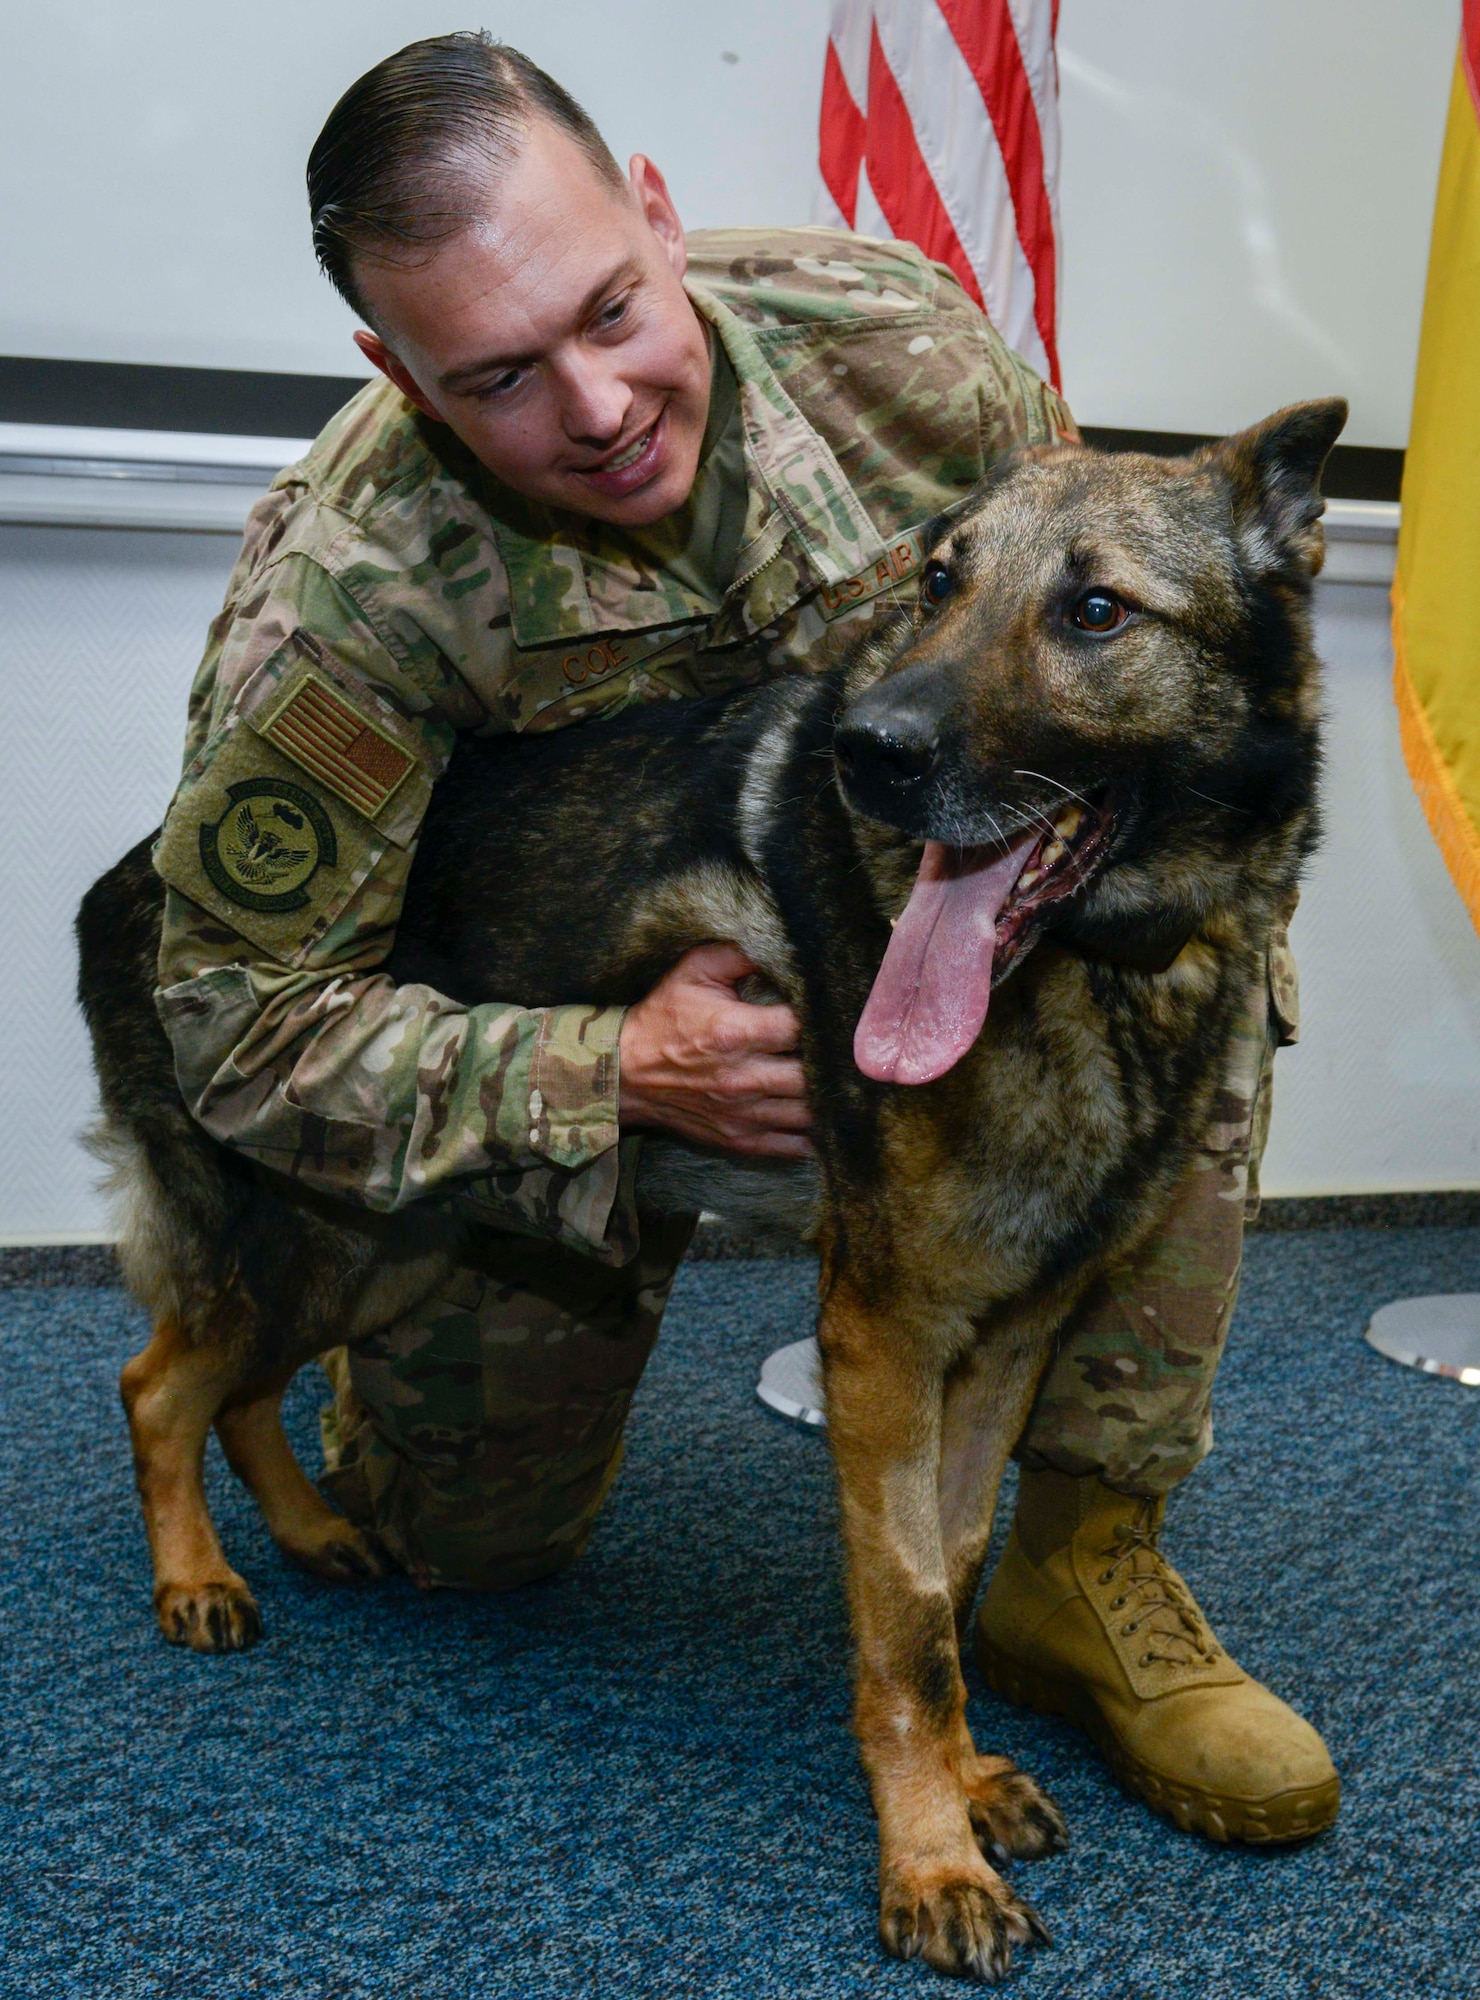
935	584
1099	611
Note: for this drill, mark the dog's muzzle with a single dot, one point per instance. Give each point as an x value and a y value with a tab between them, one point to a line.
888	754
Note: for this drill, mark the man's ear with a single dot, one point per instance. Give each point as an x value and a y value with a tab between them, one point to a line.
1274	473
650	191
379	356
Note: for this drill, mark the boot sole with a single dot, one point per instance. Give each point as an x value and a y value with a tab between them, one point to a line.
1275	1822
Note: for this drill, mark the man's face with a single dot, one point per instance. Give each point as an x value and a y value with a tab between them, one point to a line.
555	338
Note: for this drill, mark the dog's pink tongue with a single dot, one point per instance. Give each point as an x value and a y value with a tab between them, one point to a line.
930	996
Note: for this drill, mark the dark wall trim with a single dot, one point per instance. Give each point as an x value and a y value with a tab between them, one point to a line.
1353	471
95	1264
119	395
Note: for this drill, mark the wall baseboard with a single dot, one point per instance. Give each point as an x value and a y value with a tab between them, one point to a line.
1353	471
45	1265
1443	1209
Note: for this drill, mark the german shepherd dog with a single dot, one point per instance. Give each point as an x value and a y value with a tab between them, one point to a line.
1077	781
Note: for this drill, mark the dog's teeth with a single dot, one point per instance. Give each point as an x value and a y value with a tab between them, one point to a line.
892	922
1055	851
1028	877
1066	822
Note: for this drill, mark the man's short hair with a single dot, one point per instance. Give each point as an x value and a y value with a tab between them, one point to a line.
406	156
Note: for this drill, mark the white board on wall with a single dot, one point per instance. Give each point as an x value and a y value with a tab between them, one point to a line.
1247	194
153	151
1247	184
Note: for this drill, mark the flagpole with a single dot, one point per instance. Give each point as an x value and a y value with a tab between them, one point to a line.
1436	655
977	191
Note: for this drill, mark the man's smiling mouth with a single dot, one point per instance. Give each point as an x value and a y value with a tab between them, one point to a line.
632	468
630	456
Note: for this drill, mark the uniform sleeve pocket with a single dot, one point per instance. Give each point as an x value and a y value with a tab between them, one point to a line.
255	841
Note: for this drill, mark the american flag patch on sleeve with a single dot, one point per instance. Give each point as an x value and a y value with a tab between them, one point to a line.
334	743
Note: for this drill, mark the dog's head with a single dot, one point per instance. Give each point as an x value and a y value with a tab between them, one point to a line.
1107	701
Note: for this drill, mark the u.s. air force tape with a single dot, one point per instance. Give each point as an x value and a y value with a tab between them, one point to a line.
898	563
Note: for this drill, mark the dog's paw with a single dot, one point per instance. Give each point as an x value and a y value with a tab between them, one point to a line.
965	1926
216	1617
335	1551
1011	1818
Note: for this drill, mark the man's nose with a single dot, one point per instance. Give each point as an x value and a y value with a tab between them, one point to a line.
594	402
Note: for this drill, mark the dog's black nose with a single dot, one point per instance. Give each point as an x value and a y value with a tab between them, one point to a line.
896	749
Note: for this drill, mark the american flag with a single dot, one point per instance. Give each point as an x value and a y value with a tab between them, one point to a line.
940	126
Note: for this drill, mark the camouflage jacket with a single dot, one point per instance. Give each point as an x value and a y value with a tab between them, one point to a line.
391	593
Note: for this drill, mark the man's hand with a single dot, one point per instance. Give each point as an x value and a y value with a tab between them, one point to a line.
697	1060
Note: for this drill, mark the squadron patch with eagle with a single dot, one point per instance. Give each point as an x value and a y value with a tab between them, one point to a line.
267	845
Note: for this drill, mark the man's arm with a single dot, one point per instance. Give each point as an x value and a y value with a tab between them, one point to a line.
286	853
293	1046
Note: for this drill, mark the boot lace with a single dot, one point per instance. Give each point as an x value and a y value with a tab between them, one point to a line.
1154	1598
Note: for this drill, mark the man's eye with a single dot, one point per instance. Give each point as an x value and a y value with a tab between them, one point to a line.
614	314
500	385
935	585
1099	611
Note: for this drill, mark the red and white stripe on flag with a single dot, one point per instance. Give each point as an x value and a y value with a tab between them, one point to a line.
940	126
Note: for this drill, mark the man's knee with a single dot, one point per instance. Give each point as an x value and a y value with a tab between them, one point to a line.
468	1538
489	1524
479	1436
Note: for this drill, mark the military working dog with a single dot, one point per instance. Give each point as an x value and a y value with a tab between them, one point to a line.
1076	781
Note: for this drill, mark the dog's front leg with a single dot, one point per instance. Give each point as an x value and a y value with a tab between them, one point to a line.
939	1898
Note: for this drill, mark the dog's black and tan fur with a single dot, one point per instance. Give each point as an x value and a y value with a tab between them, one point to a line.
959	1220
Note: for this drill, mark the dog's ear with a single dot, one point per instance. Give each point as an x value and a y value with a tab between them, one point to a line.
1274	477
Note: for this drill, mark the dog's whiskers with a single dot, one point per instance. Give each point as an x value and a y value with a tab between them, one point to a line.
1054	834
1224	805
1058	785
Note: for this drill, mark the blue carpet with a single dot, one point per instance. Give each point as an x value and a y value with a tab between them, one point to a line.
637	1780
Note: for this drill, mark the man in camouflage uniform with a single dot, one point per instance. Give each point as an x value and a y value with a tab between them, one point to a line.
604	466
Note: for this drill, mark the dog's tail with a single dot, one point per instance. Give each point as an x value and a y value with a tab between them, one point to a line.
171	1191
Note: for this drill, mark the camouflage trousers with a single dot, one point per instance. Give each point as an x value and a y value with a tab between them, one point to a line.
1128	1394
480	1435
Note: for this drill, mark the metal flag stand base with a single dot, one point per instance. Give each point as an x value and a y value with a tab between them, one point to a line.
791	1383
1440	1335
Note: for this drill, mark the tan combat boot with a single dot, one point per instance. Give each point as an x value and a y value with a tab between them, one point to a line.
1086	1619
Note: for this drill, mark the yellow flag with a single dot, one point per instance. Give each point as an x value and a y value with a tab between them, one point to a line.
1436	592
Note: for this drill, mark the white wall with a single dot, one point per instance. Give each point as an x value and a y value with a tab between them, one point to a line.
163	216
1247	193
100	631
1383	1090
1246	187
